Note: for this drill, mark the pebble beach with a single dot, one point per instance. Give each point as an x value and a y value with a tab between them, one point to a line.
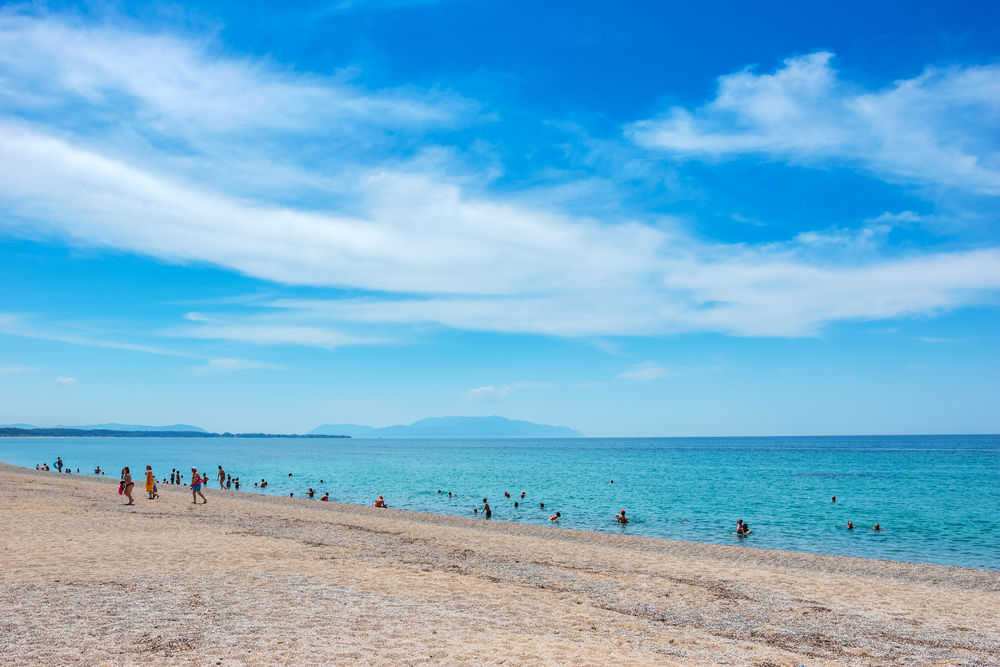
252	579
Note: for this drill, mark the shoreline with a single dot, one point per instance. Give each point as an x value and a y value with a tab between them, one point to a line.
459	519
298	582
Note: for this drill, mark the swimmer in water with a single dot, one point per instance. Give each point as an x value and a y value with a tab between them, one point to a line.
876	528
486	509
325	497
834	499
850	525
379	502
621	518
515	504
522	495
555	517
541	505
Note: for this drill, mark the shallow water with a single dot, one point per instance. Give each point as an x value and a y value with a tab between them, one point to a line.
938	497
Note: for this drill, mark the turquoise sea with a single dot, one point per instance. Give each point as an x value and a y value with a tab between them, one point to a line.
938	497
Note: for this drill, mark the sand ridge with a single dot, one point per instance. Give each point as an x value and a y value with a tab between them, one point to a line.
253	579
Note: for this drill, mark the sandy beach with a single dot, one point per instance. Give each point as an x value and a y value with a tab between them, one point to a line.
250	579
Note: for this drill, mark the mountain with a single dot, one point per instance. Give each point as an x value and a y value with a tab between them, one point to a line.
134	427
453	427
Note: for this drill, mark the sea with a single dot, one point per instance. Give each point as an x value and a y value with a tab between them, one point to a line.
937	497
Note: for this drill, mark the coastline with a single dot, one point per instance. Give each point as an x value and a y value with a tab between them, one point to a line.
297	581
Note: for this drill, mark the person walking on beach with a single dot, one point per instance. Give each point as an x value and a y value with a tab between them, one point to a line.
222	478
150	482
127	485
196	482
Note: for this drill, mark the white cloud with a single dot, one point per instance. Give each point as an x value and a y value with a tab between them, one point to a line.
938	128
646	370
185	87
423	249
488	393
226	365
498	393
65	380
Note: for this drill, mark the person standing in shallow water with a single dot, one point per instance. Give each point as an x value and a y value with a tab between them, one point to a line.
486	509
222	478
196	482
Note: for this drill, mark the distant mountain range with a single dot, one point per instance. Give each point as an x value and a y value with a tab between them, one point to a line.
117	427
453	427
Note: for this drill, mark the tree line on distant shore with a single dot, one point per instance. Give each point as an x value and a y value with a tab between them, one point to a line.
10	432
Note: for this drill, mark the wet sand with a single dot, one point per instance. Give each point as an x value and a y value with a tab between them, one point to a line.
251	579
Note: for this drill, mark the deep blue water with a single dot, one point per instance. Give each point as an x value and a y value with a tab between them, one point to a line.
938	497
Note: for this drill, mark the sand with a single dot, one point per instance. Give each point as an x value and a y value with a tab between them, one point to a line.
250	579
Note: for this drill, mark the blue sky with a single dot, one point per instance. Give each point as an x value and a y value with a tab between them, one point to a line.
632	219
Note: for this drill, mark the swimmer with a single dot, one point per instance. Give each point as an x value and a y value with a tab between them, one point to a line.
541	505
325	497
876	528
439	490
310	492
506	494
522	495
449	494
515	504
744	529
555	517
621	518
486	509
379	502
850	525
834	499
475	510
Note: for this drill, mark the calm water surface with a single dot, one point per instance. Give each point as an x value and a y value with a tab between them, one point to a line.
938	497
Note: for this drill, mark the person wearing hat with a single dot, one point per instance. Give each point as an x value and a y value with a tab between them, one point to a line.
621	518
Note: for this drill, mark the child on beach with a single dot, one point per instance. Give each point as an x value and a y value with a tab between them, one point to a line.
196	482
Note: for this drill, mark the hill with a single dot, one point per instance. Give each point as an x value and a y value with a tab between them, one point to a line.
453	427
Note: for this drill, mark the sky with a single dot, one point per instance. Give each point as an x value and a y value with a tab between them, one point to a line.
633	219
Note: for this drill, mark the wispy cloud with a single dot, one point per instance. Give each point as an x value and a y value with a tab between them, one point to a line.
497	393
417	246
15	369
938	128
488	393
66	380
17	324
646	370
229	365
